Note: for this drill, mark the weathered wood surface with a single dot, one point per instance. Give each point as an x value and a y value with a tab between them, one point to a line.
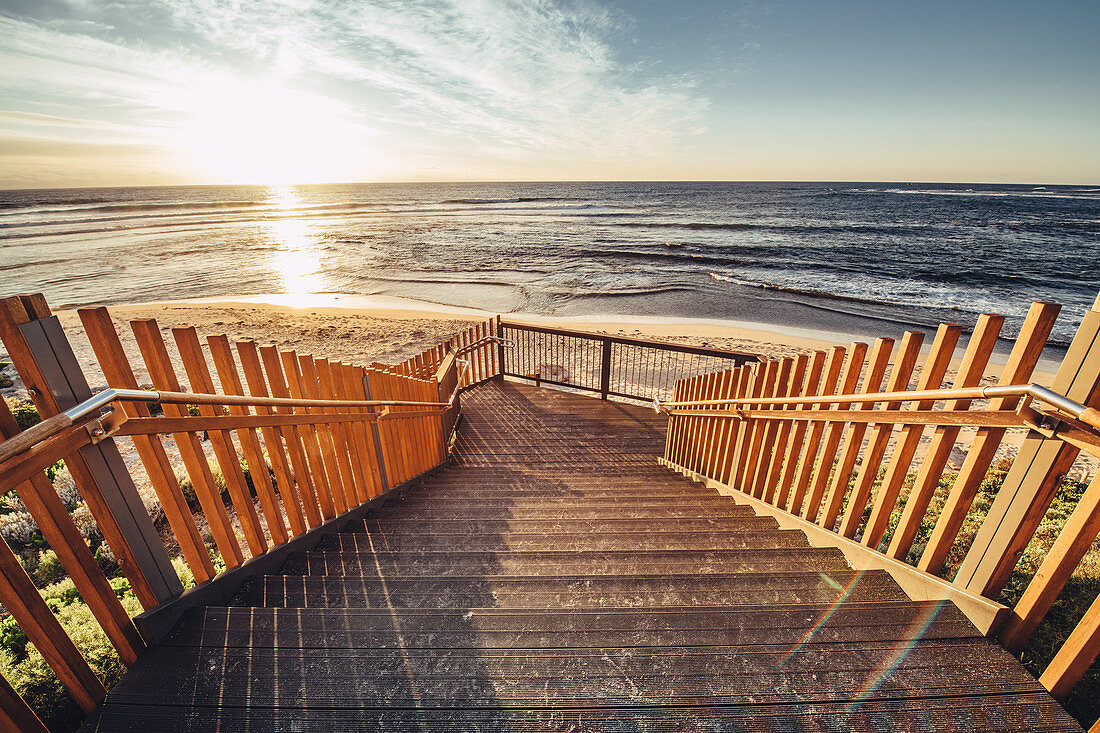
557	579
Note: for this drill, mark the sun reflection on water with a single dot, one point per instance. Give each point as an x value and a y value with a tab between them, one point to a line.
297	261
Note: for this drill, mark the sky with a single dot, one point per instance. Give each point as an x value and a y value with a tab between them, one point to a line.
152	92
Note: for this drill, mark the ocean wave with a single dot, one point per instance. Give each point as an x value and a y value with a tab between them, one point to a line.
514	200
784	228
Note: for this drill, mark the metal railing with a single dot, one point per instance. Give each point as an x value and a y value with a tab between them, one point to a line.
611	366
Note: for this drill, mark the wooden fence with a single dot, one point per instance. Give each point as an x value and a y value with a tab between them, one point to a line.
318	437
824	439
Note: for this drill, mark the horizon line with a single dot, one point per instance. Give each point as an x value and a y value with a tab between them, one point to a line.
1038	184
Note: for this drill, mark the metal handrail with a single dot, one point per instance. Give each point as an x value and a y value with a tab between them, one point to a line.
1084	413
54	425
507	343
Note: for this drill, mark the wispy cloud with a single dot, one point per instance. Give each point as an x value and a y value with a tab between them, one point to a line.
507	80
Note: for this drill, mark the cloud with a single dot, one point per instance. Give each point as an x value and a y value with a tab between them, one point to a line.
512	79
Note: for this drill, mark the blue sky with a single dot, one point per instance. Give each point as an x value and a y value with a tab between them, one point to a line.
268	91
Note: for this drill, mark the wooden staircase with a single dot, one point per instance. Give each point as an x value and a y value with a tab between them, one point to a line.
556	578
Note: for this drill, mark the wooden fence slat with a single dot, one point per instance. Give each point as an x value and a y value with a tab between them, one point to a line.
707	425
798	431
1018	368
771	429
815	430
853	442
834	431
230	380
319	451
747	473
198	374
738	380
1074	540
728	384
303	446
61	534
120	375
22	601
155	354
793	389
1076	655
17	313
356	382
931	377
902	371
753	387
970	374
335	465
1036	473
347	448
297	497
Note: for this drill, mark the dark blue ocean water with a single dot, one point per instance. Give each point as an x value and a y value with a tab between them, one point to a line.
812	254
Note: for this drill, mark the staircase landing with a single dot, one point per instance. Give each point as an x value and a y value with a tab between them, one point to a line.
557	579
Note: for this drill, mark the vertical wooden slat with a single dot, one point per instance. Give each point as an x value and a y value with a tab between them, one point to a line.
798	431
37	621
56	525
734	450
119	374
815	430
793	388
198	374
1021	362
728	384
672	442
346	447
747	428
1076	655
771	430
295	489
691	386
853	442
1073	542
935	366
155	354
354	433
1036	473
305	436
376	381
705	424
834	431
335	458
970	374
901	373
17	313
230	380
750	460
354	383
729	429
319	449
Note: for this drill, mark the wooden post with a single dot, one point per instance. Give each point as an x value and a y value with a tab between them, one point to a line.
605	369
1035	474
500	348
376	436
45	361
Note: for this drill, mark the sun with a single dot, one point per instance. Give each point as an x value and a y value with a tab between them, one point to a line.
262	132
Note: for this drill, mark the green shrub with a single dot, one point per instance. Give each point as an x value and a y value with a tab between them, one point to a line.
25	414
49	569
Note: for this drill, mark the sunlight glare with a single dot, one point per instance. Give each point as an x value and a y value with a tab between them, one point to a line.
297	262
264	133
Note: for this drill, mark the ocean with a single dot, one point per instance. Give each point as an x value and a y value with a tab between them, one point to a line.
847	257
